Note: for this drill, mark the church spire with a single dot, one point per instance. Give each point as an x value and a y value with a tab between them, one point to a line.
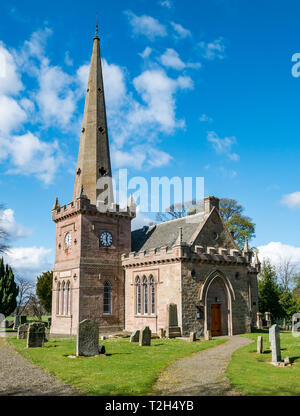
94	157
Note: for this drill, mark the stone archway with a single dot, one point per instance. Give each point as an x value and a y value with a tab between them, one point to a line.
216	296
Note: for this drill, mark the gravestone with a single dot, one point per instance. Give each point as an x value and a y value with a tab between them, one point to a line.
22	331
103	338
162	333
135	336
193	336
16	322
23	319
259	324
259	345
35	335
87	342
145	336
274	338
268	319
295	322
2	325
172	328
101	349
207	335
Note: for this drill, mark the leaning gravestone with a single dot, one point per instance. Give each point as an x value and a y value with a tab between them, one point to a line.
145	336
135	336
87	342
22	331
274	338
16	322
172	328
259	345
35	335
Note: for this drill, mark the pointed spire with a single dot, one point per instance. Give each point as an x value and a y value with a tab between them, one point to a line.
97	26
131	203
94	156
256	263
246	248
56	205
179	238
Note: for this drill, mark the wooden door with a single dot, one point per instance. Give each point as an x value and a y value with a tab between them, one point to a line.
215	320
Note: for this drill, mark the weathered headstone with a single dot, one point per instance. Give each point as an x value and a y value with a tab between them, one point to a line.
22	331
23	319
296	322
145	336
35	335
172	328
162	333
268	319
207	335
16	322
259	324
259	345
135	336
193	336
87	342
101	349
274	337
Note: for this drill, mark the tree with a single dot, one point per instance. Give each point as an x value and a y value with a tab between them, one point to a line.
44	290
289	304
26	289
8	290
286	274
4	236
268	291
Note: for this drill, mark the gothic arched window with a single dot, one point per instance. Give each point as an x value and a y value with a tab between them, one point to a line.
64	299
58	299
138	296
107	298
152	294
145	291
69	298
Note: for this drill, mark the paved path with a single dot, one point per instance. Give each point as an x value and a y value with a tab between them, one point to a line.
201	374
19	377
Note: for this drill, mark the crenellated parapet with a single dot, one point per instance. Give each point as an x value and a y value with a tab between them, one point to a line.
183	252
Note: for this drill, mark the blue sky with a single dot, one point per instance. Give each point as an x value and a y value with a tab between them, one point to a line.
193	88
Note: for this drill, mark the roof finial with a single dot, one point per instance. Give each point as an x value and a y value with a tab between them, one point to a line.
97	26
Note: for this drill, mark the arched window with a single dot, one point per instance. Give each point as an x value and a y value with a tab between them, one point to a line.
145	290
69	298
64	299
138	296
152	294
107	298
58	299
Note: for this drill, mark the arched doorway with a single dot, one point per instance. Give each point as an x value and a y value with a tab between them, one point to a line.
217	295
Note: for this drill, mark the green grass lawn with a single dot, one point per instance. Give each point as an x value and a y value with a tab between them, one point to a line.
127	369
251	374
30	318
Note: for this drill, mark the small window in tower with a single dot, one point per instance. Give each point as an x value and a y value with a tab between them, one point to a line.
78	171
102	171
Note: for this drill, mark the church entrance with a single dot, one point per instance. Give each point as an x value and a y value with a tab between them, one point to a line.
216	324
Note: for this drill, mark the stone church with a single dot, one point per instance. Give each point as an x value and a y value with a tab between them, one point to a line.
125	280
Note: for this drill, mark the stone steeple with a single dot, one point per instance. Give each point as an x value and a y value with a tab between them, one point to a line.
94	157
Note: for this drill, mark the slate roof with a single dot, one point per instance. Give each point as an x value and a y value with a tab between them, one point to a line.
166	233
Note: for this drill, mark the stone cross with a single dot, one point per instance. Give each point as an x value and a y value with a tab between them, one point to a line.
274	338
22	331
259	320
135	336
16	322
36	335
259	345
145	336
193	336
87	340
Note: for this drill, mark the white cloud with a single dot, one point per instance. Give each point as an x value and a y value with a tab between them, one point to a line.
166	3
213	50
181	32
292	200
9	224
29	262
205	119
171	59
276	252
140	221
114	81
146	52
223	146
146	25
11	115
31	156
10	80
68	59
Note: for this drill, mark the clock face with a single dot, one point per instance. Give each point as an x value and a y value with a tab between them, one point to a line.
68	239
106	239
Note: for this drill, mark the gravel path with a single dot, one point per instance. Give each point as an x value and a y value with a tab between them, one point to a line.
19	377
201	374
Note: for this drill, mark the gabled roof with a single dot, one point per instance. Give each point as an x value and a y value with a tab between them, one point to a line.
166	233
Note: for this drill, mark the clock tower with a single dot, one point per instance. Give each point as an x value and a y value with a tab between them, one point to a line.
91	231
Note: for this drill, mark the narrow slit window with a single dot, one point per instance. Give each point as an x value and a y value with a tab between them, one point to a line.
107	298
